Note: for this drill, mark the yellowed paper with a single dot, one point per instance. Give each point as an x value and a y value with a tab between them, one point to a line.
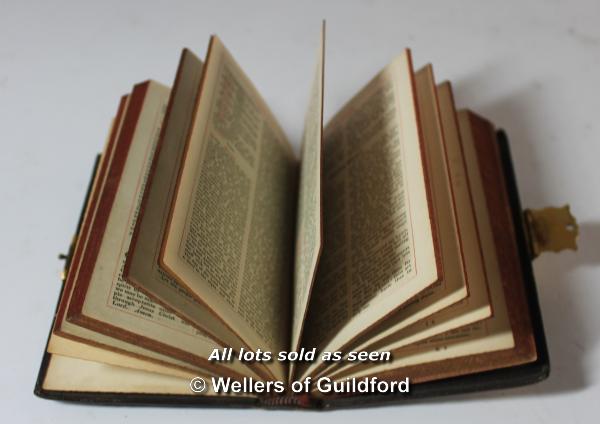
309	219
379	250
230	234
490	335
109	298
144	269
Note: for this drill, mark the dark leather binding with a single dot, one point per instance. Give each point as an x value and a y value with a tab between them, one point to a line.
497	379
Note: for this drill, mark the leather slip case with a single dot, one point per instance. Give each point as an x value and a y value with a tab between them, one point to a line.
495	379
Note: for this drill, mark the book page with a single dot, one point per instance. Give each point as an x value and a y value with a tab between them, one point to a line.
379	248
78	375
477	306
396	332
102	301
74	374
308	224
66	334
142	265
453	287
229	238
144	360
491	335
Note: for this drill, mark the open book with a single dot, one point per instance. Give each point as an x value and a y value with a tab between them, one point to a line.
203	231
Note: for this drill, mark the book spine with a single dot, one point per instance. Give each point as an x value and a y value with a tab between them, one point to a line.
288	401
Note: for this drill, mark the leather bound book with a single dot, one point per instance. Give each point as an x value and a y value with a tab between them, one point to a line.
212	266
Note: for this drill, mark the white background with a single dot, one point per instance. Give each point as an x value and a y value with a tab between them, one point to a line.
531	67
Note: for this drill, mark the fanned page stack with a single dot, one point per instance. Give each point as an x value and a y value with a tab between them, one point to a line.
397	230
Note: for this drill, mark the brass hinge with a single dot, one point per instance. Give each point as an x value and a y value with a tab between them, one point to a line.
550	230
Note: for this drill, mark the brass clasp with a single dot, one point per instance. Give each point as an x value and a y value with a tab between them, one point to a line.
67	258
551	230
